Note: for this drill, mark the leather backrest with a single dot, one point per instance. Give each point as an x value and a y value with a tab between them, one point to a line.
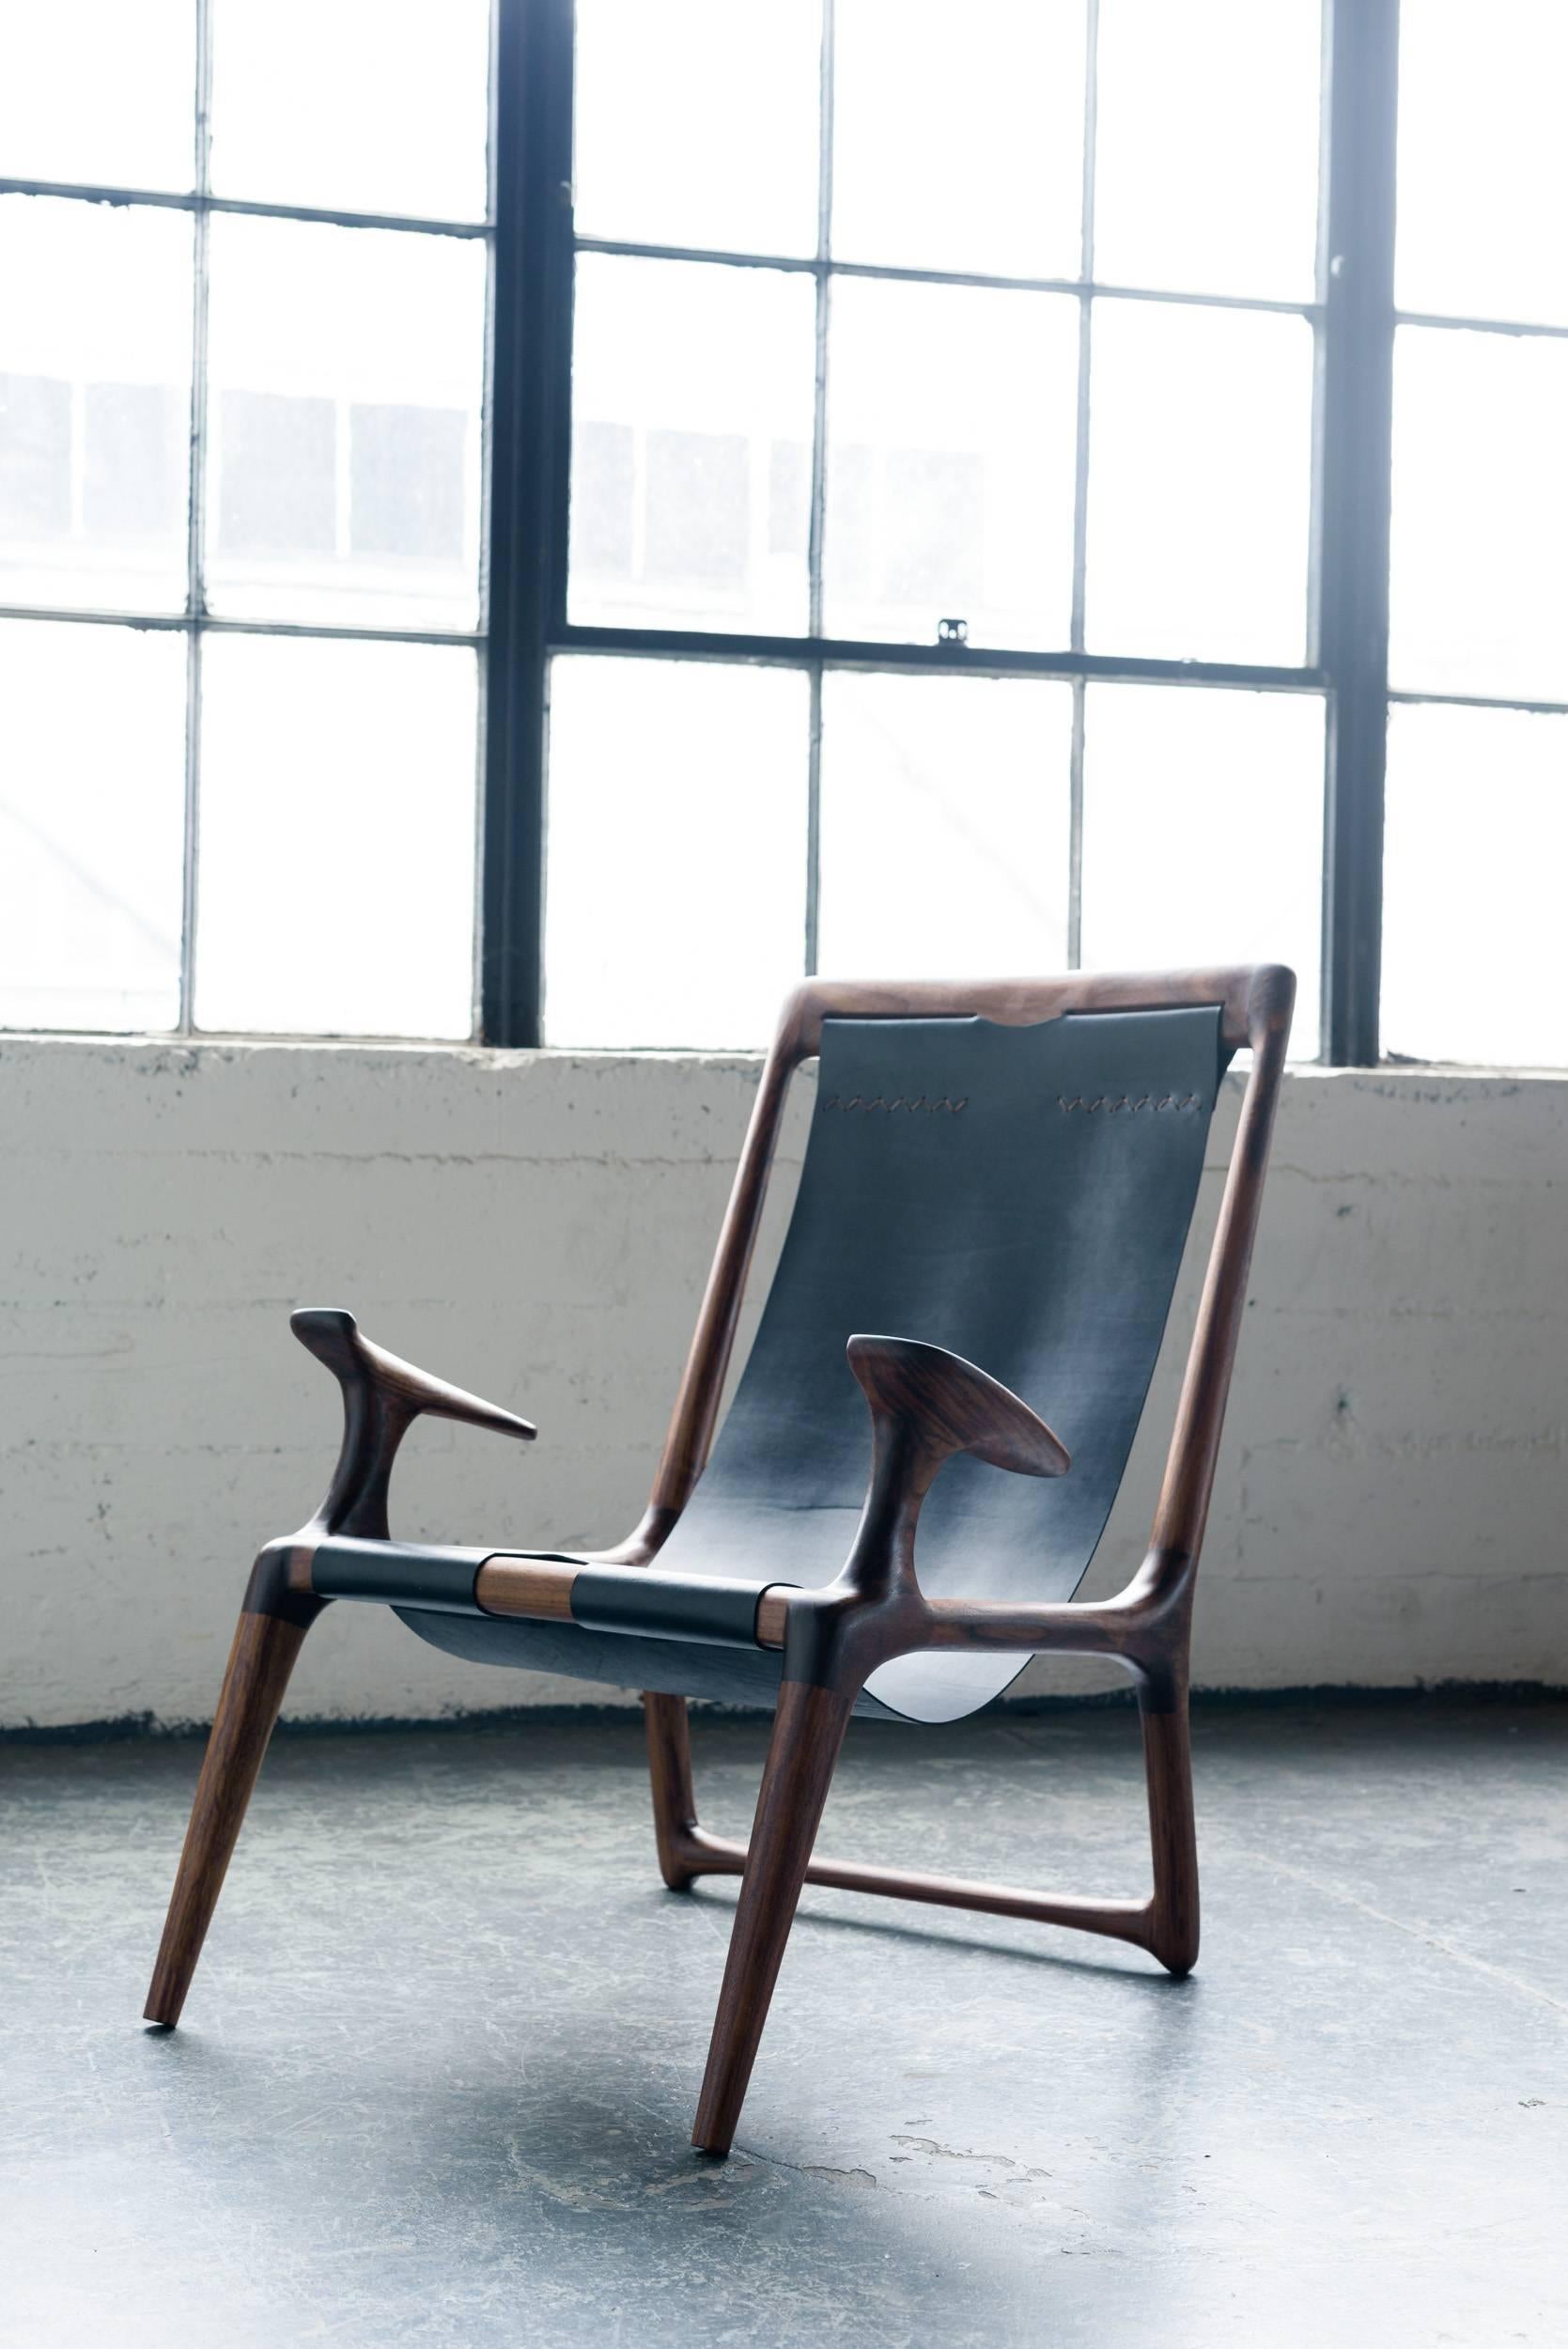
1021	1195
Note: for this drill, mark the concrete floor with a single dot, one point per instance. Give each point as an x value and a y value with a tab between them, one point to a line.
441	2060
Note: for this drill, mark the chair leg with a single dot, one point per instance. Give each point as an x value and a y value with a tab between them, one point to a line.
1173	1835
260	1664
808	1731
1165	1924
675	1803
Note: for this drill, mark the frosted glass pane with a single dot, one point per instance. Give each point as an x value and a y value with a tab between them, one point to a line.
945	804
1482	163
92	798
337	838
691	436
95	404
950	463
1206	145
1203	834
345	369
99	90
1479	560
1475	848
353	105
958	137
1200	483
677	868
697	123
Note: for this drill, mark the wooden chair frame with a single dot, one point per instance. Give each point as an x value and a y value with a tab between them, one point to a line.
926	1406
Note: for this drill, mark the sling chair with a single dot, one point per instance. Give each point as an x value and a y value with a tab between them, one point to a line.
998	1174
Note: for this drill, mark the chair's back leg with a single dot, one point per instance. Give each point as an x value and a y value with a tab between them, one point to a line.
259	1663
1172	1832
675	1801
808	1731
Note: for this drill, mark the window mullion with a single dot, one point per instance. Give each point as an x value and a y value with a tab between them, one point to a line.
530	388
1080	485
1358	407
195	592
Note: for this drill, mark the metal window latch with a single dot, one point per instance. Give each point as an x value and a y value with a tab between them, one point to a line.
952	632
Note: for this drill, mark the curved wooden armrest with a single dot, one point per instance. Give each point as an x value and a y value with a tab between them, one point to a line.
382	1396
334	1336
925	1404
946	1405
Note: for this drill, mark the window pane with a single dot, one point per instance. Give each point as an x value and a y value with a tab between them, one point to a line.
99	91
1203	834
1206	145
1478	574
697	125
356	106
950	463
944	824
692	434
676	901
1200	483
1475	848
1482	166
92	820
95	404
337	838
958	137
345	369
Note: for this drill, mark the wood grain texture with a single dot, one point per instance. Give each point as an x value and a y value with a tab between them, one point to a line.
808	1730
949	1406
675	1804
260	1662
527	1587
335	1337
382	1396
1165	1924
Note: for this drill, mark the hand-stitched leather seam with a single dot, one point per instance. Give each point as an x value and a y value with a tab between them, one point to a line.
931	1105
1151	1104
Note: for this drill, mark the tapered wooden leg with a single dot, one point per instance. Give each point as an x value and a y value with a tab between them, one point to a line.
808	1731
259	1663
675	1803
1172	1833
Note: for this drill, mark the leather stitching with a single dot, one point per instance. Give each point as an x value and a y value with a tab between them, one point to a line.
1153	1105
929	1104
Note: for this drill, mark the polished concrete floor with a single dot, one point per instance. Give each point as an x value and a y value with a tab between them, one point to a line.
439	2065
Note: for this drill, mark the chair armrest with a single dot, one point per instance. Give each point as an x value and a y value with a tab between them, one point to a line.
925	1404
382	1396
945	1405
333	1337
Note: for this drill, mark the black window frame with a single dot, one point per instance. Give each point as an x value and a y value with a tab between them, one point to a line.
524	585
1353	322
196	623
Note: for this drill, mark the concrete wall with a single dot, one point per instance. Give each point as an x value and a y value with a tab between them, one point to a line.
1390	1502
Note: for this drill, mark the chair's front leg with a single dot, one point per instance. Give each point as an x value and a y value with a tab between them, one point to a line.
808	1731
267	1639
382	1396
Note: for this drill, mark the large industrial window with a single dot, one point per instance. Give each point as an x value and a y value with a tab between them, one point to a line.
243	344
917	356
729	488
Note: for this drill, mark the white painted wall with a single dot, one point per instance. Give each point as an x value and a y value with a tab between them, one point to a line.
1392	1493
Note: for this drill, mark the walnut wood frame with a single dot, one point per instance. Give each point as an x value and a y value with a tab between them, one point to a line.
925	1404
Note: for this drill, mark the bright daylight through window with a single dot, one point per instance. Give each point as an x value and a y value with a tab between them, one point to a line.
721	489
